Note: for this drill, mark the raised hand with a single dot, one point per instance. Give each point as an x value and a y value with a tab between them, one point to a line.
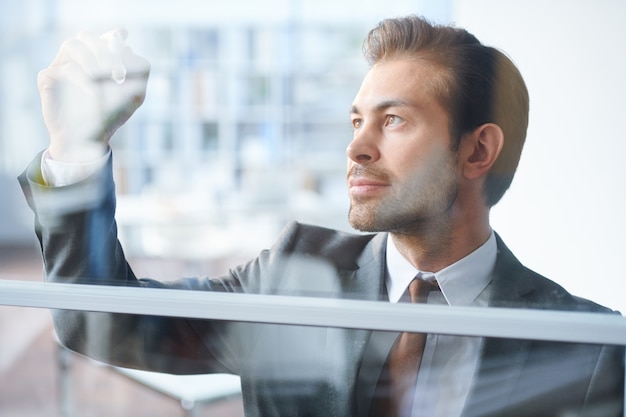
91	88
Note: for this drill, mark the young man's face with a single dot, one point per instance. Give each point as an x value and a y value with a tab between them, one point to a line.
402	171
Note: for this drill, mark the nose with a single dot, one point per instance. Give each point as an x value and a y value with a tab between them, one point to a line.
363	149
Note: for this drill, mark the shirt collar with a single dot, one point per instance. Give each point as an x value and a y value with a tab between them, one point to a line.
460	283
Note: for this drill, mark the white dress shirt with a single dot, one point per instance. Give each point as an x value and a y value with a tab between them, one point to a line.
449	362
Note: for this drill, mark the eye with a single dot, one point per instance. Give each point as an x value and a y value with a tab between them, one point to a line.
357	123
393	120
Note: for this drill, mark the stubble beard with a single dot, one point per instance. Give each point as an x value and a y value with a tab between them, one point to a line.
424	207
388	216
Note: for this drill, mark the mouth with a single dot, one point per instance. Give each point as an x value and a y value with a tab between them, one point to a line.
364	187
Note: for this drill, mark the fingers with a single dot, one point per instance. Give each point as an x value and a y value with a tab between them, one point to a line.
136	66
116	39
101	58
50	79
75	51
120	59
108	61
93	85
115	42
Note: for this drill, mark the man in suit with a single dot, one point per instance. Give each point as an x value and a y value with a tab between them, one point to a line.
439	124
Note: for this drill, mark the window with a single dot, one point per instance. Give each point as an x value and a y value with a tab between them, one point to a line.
244	130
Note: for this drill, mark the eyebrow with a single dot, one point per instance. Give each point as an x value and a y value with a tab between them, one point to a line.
384	105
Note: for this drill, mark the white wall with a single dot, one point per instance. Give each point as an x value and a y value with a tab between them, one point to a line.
564	215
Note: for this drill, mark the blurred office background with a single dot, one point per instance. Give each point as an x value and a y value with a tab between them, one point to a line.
244	127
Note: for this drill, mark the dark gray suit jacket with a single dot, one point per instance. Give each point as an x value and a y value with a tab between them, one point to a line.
299	371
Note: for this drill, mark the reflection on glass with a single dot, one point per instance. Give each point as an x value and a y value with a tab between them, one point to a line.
285	369
439	124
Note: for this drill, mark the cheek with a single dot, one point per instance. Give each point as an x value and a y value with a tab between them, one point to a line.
432	166
411	160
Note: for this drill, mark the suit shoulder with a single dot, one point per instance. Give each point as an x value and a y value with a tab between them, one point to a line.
516	285
556	296
342	248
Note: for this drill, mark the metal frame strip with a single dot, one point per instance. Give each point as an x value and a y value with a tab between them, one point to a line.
568	326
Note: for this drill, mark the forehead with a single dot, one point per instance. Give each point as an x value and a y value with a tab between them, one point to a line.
413	81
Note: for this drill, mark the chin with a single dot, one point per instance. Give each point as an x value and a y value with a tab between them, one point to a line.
361	226
367	225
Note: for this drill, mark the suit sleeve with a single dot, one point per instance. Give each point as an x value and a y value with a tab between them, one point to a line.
77	232
605	393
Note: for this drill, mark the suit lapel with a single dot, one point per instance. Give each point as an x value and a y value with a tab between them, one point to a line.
501	363
502	360
369	283
368	280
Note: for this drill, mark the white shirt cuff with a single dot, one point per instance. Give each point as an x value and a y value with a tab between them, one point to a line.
58	174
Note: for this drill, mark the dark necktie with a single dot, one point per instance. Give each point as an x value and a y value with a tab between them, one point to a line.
395	389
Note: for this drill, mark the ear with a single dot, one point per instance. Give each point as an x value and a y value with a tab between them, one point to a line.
480	149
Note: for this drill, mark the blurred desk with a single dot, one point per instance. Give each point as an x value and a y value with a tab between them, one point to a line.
190	390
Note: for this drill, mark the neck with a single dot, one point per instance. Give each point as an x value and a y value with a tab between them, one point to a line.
438	244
